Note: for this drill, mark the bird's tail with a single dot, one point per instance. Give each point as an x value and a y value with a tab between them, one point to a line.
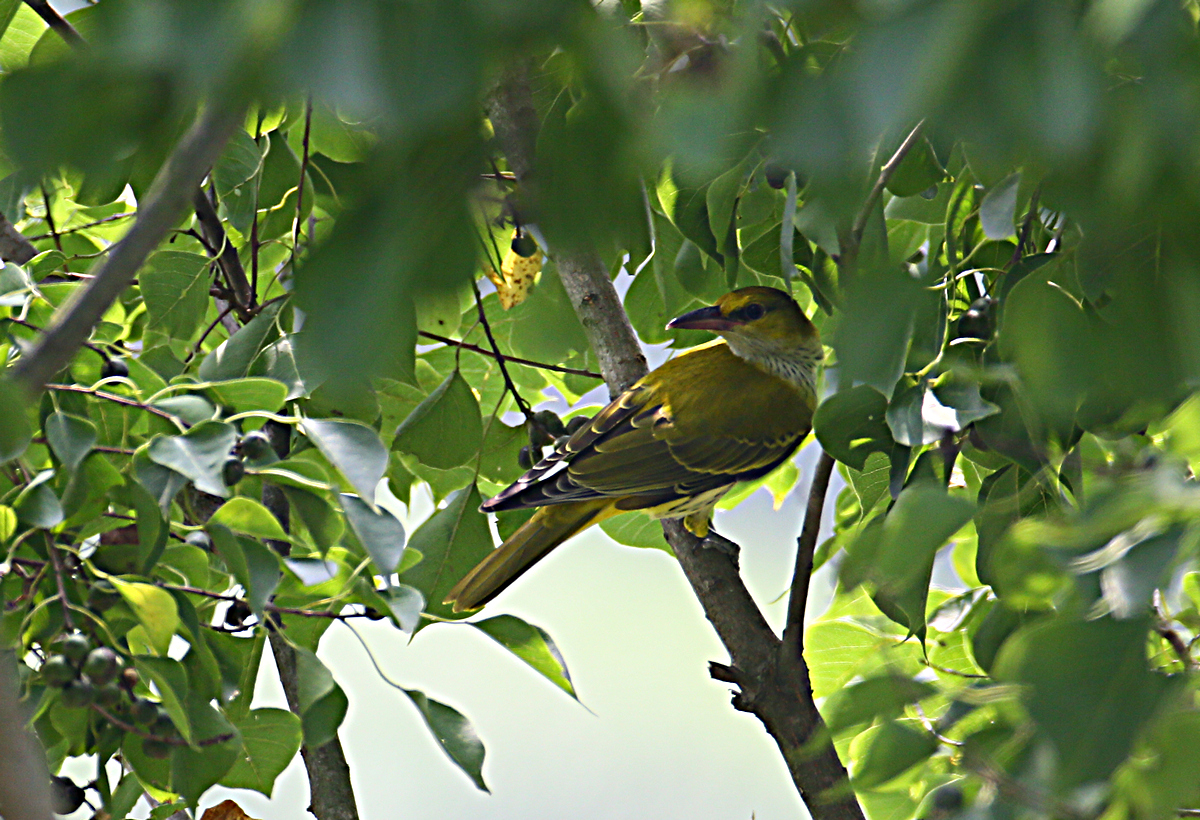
548	528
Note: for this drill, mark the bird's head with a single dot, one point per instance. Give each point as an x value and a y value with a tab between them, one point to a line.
766	316
764	326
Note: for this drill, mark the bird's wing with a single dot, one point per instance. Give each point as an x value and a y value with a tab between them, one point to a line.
634	450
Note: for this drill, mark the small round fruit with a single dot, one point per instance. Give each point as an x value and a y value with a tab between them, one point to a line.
976	322
561	442
257	445
525	458
524	245
114	367
57	671
237	613
128	679
75	648
550	422
233	472
947	799
155	748
78	693
144	711
65	795
373	614
102	665
108	695
575	423
163	726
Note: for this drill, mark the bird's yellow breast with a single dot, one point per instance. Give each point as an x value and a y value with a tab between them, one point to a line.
709	391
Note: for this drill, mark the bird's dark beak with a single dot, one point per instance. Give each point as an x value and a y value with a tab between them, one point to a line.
706	318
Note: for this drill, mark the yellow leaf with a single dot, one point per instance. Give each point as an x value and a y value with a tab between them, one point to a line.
225	810
155	610
517	275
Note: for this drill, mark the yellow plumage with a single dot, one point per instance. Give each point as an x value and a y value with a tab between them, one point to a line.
676	441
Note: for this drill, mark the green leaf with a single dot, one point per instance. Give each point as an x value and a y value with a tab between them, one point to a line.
15	432
195	770
252	564
170	678
243	395
636	529
199	454
896	554
247	516
318	514
453	540
444	430
37	505
862	702
892	749
235	176
532	645
406	605
70	437
381	533
850	425
997	211
872	335
1087	686
454	733
175	287
161	483
232	358
354	449
154	609
270	739
917	172
322	702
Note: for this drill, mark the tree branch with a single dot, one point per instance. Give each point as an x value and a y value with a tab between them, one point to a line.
224	251
163	206
514	359
24	780
57	22
778	694
14	247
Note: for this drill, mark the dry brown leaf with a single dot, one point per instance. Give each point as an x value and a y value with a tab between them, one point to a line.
225	810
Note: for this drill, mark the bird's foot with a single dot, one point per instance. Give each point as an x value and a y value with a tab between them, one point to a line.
715	541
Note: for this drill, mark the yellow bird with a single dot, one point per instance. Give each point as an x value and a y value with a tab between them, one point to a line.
673	443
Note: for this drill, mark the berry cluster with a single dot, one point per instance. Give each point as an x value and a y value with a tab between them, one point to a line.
547	429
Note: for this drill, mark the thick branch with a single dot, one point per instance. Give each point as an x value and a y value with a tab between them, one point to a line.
24	780
223	249
163	206
329	786
14	247
778	694
56	21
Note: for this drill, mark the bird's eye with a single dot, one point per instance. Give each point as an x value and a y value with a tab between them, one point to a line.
754	311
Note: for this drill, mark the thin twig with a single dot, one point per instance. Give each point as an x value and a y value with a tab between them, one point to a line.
308	112
221	249
170	741
57	22
96	348
515	360
806	546
269	607
85	226
885	175
526	410
99	448
1026	225
196	347
56	562
50	219
100	394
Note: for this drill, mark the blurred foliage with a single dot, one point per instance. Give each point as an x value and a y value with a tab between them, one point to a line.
1011	390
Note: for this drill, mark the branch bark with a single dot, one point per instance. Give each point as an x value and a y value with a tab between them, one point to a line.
24	779
331	794
14	247
779	694
164	204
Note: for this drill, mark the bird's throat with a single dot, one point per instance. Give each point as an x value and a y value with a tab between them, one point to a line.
797	366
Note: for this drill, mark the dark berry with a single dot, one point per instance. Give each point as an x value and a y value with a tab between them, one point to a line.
102	665
129	678
108	695
776	175
75	648
257	446
233	472
65	796
57	671
144	711
78	693
525	458
573	424
523	245
549	421
114	367
237	613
